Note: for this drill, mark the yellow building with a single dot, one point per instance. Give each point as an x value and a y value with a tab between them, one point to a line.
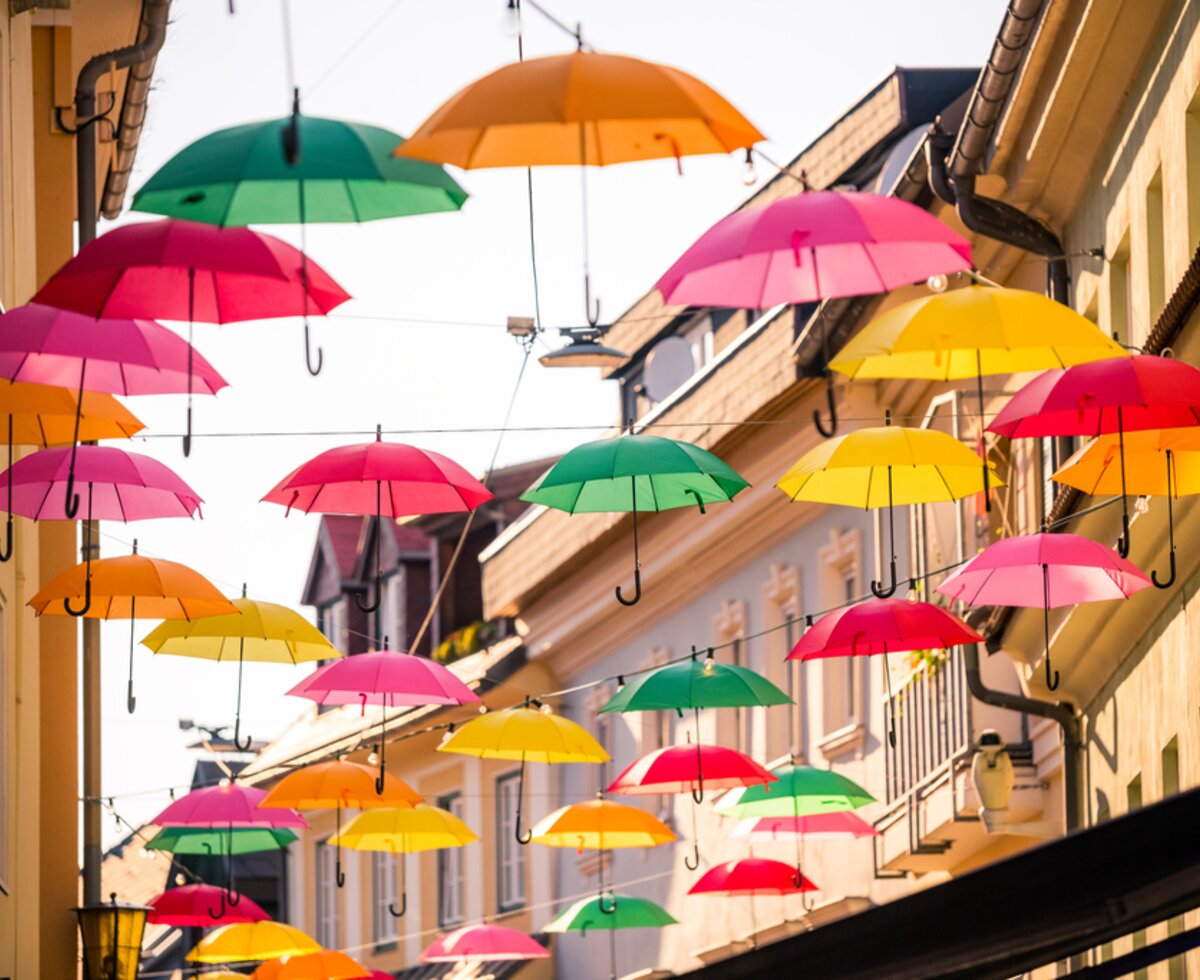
43	47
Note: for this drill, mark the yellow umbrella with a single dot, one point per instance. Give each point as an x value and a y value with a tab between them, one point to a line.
242	941
525	734
1158	463
885	467
419	828
260	631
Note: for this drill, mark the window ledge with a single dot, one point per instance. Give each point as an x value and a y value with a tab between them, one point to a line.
843	741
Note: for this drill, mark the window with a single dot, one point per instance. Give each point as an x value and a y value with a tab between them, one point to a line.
1133	793
391	612
1170	768
604	735
730	629
842	682
699	335
783	621
1120	319
450	870
327	896
510	856
332	622
1156	264
385	868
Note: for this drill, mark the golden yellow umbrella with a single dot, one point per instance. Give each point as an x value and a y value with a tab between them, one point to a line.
260	631
886	467
525	734
242	941
1158	463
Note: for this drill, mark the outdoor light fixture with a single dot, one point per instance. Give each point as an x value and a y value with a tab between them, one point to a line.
112	939
584	350
521	327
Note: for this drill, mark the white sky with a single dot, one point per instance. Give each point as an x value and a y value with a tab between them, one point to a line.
792	66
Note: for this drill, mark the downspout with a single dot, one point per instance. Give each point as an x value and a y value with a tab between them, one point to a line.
152	32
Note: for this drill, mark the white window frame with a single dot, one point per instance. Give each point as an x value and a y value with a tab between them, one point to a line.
510	856
392	611
327	909
334	623
385	869
451	870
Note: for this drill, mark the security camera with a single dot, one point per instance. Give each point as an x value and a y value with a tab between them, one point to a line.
992	773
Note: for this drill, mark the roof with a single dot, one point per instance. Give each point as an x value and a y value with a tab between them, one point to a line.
1043	905
342	532
136	874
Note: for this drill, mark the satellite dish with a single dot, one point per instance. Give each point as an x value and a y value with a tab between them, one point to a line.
668	365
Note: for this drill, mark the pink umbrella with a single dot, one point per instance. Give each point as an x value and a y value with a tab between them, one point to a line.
878	626
386	479
751	876
182	270
201	906
484	943
1122	395
1072	568
825	826
50	346
813	246
387	679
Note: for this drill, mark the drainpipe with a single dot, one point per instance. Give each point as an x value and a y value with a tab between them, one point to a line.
152	32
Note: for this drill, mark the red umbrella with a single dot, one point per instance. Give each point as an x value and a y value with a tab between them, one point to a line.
1125	394
182	270
386	479
878	626
752	876
50	346
202	906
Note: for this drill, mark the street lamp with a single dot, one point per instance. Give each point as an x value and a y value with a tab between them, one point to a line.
584	350
112	939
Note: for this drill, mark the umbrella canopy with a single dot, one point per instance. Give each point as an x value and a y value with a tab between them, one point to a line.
43	415
695	684
345	172
752	876
800	791
229	804
243	941
484	943
601	825
688	769
633	473
201	906
325	964
629	912
579	108
821	826
208	841
258	631
1046	570
221	975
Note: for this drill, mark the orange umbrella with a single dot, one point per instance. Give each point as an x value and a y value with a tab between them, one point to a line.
328	964
120	588
336	785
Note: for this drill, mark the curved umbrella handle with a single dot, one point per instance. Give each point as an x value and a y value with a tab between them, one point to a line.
527	836
637	563
187	435
87	600
72	500
369	607
403	906
877	588
591	310
1170	580
831	430
339	875
1123	540
314	371
693	862
1051	677
217	916
6	553
637	590
699	500
238	742
607	909
1170	526
798	878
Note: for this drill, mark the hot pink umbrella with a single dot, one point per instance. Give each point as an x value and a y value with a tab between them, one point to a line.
1125	394
484	943
878	626
46	345
182	270
826	826
813	246
387	679
1046	570
386	479
201	906
752	876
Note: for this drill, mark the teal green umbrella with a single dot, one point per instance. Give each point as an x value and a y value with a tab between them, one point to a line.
209	841
634	473
800	791
620	912
694	684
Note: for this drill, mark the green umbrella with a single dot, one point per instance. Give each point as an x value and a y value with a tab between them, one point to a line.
633	473
800	791
205	840
624	912
696	684
297	170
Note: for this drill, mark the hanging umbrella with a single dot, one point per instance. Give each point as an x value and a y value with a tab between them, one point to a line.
210	842
221	975
601	825
800	791
385	479
118	588
43	415
484	943
814	246
972	332
581	109
200	906
886	467
257	631
337	785
325	964
627	912
1124	395
244	941
387	679
419	827
296	170
632	473
751	876
880	626
525	734
46	345
1163	463
182	270
695	684
1044	571
821	826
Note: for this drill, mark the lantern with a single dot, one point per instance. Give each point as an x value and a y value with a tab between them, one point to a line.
112	939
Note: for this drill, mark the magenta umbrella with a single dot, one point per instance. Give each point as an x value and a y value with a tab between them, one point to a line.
823	826
485	943
814	246
201	906
46	345
386	479
1046	570
182	270
387	679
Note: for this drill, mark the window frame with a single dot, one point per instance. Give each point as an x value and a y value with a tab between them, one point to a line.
327	908
508	852
448	858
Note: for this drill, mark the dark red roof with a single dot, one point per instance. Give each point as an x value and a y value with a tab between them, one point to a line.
344	531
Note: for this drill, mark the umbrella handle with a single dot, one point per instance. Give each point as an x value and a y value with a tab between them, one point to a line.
72	501
831	430
87	600
237	742
699	500
314	371
637	564
692	863
591	309
6	554
187	435
217	916
368	607
877	588
1051	677
1123	540
1170	525
637	590
339	875
403	906
1170	580
607	909
290	135
527	836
